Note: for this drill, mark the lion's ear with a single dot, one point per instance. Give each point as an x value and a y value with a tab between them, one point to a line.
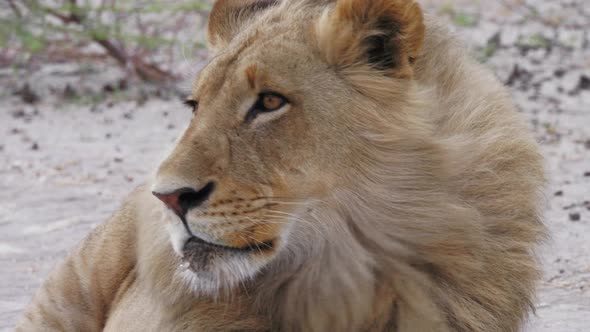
386	34
228	17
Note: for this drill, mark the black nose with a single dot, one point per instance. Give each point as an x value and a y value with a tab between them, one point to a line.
183	199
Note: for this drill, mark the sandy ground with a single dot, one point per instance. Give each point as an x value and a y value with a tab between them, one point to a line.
66	165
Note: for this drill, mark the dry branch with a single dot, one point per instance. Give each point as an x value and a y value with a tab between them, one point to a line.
146	71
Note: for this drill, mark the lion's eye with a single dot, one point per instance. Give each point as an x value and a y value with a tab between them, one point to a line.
192	104
271	102
267	102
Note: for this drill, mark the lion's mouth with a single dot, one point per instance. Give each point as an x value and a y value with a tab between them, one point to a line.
195	242
202	255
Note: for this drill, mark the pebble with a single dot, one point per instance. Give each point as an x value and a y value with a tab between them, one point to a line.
19	114
570	81
584	83
509	35
570	38
575	216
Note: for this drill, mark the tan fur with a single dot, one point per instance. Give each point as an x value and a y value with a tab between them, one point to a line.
396	195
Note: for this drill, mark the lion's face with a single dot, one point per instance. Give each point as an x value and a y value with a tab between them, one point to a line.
265	139
274	129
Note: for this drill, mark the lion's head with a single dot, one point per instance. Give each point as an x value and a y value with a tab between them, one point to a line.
280	123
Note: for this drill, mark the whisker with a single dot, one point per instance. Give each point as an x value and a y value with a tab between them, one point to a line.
256	222
256	242
294	217
289	203
251	238
280	197
280	214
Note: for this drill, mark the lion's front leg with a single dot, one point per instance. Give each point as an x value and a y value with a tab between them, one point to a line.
79	293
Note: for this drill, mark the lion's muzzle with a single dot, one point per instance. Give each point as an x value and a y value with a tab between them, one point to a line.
183	199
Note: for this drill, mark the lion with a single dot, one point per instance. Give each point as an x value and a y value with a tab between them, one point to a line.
347	168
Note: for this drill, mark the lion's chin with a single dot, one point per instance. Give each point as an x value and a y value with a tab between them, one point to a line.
210	268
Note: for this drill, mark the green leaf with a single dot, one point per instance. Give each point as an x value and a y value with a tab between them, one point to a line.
464	20
29	41
534	41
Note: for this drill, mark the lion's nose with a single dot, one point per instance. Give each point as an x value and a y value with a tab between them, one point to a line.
183	199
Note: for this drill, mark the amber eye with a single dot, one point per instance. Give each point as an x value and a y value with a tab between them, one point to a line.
271	102
267	102
192	104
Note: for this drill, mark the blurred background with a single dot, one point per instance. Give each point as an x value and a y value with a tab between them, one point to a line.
90	101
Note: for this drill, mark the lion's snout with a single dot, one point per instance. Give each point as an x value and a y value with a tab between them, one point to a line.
183	199
222	212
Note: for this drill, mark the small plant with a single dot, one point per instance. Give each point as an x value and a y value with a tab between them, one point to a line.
535	41
144	37
464	20
490	48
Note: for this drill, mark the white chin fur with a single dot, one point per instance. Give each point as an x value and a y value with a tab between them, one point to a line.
225	276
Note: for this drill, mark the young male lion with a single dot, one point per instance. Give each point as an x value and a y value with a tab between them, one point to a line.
347	168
